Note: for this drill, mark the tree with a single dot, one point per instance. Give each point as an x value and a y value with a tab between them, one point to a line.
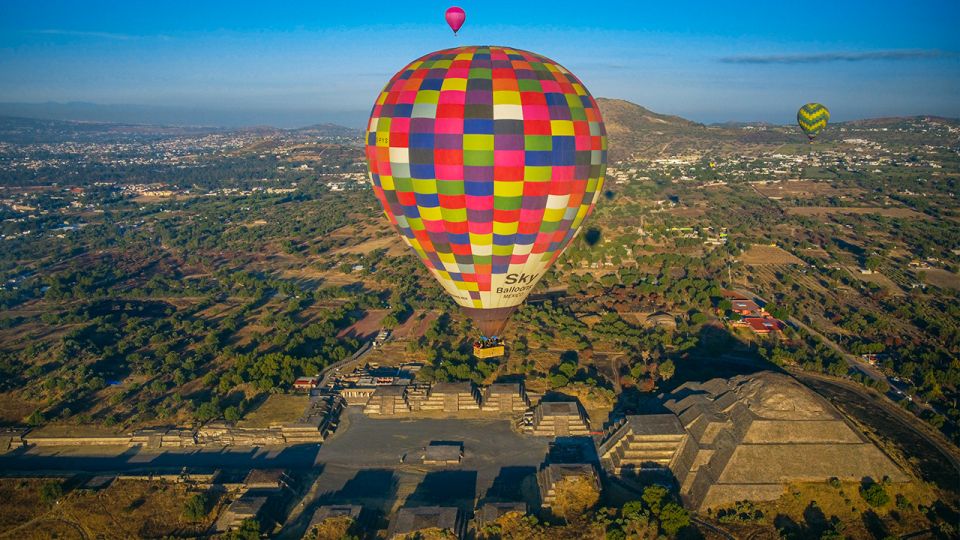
36	418
249	530
231	414
390	321
673	517
568	369
875	495
666	369
50	492
196	508
654	496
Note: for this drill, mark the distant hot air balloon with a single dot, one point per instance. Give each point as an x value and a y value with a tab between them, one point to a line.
813	117
487	160
455	17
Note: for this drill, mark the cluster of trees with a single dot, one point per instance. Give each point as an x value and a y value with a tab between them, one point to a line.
449	356
657	512
546	323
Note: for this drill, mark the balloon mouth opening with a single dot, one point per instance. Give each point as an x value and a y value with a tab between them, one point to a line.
490	322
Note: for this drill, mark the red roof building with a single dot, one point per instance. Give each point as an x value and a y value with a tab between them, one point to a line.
763	325
306	383
745	307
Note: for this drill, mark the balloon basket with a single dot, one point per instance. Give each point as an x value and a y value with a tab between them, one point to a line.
488	352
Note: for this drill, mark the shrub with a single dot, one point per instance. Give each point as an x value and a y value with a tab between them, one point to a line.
875	495
50	492
196	507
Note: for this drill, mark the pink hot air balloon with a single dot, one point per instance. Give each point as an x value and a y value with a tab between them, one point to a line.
455	17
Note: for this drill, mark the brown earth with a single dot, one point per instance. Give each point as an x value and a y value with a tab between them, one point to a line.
760	255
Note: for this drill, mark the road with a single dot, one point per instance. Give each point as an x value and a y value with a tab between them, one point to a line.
333	369
852	360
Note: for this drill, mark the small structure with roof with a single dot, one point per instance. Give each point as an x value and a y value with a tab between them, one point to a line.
306	384
267	480
330	513
441	520
489	513
443	453
247	506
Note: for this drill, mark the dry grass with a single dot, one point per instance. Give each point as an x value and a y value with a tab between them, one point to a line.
276	409
942	278
857	210
760	255
803	189
878	279
849	507
13	408
125	509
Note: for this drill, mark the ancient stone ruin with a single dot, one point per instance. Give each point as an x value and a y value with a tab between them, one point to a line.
743	438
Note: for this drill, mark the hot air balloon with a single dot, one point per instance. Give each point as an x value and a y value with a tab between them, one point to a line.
455	17
813	117
487	161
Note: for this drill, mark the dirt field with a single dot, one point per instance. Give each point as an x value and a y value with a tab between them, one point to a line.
392	243
367	326
942	278
818	253
686	212
857	210
415	327
761	255
277	409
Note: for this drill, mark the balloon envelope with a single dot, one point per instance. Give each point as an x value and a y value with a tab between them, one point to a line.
487	160
813	117
455	17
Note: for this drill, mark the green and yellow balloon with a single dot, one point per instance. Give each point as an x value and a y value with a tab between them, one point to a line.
813	117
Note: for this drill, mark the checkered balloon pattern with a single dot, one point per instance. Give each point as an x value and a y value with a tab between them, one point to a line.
487	160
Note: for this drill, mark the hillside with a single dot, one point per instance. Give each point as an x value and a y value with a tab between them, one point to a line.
638	133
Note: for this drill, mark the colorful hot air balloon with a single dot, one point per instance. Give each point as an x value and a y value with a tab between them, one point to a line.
455	17
487	160
813	117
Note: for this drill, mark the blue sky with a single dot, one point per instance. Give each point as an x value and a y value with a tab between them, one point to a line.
318	61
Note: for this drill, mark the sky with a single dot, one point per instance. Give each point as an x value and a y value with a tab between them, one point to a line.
290	63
